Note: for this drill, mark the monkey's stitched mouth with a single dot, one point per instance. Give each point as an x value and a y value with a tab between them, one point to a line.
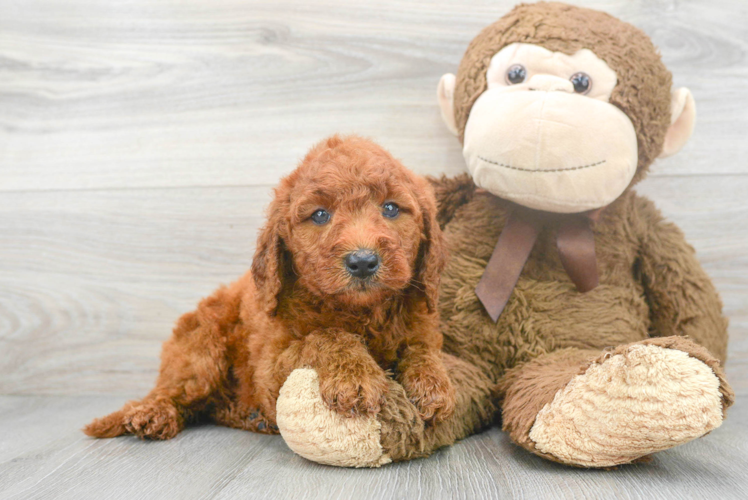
512	167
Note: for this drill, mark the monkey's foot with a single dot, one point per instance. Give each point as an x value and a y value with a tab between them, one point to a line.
639	399
317	433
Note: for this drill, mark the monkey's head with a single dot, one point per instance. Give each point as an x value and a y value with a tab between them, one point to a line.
561	108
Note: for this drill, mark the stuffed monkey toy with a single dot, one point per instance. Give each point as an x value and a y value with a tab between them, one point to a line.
569	307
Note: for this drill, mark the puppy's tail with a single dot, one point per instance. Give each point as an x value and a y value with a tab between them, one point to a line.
112	425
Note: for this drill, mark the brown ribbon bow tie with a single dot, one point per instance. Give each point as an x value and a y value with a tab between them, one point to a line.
574	240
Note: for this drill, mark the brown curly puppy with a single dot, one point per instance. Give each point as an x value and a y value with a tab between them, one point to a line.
344	280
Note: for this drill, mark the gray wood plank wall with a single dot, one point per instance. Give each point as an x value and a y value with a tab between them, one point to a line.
140	140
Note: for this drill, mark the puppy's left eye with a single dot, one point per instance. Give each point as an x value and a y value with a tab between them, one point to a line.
320	217
390	210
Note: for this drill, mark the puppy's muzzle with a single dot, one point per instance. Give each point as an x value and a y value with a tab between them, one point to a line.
362	263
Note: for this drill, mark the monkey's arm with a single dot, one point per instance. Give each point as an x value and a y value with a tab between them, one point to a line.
451	193
681	297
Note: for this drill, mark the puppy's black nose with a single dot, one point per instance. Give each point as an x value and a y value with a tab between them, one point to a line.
362	263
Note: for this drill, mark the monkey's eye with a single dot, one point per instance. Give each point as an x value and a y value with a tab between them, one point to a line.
320	216
390	210
516	74
582	82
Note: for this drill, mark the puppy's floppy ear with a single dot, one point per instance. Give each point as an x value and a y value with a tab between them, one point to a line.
268	264
433	252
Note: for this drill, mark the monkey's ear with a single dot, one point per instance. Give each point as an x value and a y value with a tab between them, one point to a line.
445	93
682	120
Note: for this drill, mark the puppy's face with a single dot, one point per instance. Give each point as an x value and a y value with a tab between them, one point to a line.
355	226
350	224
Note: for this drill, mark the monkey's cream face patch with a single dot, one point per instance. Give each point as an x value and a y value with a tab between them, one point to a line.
539	143
540	61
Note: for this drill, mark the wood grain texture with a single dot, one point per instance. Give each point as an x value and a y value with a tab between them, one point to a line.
95	279
102	94
139	142
52	459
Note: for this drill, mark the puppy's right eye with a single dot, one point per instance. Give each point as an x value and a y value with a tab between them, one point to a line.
390	210
320	217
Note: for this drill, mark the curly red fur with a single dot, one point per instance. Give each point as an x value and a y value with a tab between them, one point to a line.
299	307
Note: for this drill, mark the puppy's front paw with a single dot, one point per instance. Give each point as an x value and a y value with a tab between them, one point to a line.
354	394
433	395
154	420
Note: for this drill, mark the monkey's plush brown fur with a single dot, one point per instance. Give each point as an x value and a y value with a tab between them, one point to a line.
653	294
298	307
651	288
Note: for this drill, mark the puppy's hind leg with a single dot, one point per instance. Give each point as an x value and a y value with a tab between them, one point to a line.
194	364
110	426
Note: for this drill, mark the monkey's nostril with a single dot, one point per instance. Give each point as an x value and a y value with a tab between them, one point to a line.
362	263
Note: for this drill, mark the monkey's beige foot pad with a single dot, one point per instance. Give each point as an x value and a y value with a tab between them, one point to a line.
641	401
321	435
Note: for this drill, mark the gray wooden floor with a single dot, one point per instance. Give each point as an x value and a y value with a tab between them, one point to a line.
139	142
